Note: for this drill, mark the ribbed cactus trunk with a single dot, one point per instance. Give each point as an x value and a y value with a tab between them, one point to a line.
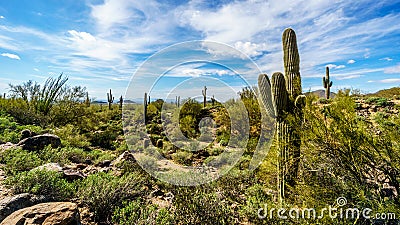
287	109
327	83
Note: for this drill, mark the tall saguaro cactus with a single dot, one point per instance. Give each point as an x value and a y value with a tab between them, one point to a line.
204	92
110	99
287	102
327	83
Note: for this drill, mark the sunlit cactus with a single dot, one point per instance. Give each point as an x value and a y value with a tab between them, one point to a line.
287	102
110	99
204	92
327	83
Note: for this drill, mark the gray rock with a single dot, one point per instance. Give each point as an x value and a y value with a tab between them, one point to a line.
38	142
51	213
11	204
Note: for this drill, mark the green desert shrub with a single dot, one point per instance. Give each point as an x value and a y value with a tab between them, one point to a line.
42	182
139	213
182	157
17	160
197	206
70	136
103	192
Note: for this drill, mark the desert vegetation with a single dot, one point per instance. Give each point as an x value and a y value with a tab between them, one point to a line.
346	146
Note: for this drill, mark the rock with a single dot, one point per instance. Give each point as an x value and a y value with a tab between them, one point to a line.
11	204
38	142
72	175
7	145
51	167
105	163
25	134
126	156
51	213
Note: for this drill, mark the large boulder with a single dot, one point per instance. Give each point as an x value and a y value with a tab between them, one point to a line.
38	142
51	213
11	204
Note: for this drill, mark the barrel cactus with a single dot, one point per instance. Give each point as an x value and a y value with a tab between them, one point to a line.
287	104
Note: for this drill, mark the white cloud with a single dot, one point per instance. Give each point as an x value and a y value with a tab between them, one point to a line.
348	77
386	59
386	81
392	70
333	66
351	61
250	49
11	56
36	69
2	17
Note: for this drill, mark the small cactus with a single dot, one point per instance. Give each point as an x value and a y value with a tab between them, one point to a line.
327	83
145	105
204	93
87	101
110	99
177	101
287	104
121	101
213	100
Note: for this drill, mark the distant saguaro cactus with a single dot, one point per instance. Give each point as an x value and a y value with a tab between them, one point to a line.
287	104
177	101
110	99
145	105
213	100
121	101
87	100
204	92
327	83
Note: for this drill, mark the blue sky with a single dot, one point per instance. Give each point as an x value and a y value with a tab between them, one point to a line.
100	44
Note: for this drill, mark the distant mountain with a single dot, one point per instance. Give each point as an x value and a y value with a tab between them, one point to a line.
387	93
320	93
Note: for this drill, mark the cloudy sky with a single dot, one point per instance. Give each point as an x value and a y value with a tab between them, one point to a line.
101	44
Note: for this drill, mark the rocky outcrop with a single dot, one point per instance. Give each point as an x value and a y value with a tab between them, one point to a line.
11	204
51	213
38	142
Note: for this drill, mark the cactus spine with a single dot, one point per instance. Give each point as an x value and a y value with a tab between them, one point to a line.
121	101
110	99
287	102
204	92
327	83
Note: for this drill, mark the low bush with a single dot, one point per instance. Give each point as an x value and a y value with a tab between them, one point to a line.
103	192
42	182
17	160
140	213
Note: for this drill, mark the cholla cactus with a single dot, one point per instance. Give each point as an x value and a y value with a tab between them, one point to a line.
327	83
287	102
